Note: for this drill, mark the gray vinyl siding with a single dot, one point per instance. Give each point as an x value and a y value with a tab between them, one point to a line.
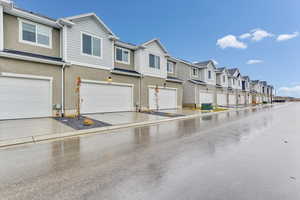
174	74
90	26
183	71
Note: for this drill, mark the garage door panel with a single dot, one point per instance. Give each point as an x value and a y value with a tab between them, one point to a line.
232	99
24	98
205	97
167	98
98	97
242	99
222	99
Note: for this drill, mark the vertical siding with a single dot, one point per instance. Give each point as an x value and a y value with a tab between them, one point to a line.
91	26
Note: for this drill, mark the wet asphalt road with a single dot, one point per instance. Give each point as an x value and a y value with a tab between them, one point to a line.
246	155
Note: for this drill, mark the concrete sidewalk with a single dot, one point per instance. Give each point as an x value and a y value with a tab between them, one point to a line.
13	132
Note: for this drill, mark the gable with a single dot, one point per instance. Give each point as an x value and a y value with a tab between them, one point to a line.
91	25
211	66
155	47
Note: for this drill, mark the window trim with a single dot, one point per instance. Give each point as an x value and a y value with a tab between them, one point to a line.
21	21
173	68
123	49
155	67
95	36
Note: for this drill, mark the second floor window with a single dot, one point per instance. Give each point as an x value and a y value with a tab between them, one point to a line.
154	61
35	34
209	74
122	55
170	67
194	71
91	45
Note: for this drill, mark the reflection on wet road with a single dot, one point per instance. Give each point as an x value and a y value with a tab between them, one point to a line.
238	155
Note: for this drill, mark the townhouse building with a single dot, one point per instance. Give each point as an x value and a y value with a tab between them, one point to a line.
42	58
235	87
246	95
199	83
222	84
30	64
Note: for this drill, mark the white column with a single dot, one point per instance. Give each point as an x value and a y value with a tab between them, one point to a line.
1	29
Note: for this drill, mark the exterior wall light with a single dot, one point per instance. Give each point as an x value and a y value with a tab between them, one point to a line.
165	85
109	79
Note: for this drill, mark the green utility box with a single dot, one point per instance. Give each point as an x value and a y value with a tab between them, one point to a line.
206	106
264	102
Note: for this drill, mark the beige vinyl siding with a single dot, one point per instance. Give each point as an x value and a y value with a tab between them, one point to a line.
11	39
129	66
71	73
35	69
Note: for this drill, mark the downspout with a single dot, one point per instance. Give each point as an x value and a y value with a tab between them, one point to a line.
140	93
63	90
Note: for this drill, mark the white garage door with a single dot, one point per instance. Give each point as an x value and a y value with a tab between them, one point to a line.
205	97
25	97
232	99
222	99
242	99
167	98
100	97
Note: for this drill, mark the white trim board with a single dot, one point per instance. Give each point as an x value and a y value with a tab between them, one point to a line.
15	75
28	58
107	83
89	65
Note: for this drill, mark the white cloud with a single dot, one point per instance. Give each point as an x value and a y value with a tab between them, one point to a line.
284	37
251	62
245	36
230	41
293	91
259	34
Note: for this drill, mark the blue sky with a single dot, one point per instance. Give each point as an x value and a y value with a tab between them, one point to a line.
198	30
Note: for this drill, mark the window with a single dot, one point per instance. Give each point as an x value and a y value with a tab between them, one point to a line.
91	45
154	61
224	79
194	71
170	67
209	74
122	55
35	34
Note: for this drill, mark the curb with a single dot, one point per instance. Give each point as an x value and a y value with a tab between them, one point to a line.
40	138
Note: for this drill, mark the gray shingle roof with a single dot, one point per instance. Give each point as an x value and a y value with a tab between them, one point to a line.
203	63
232	71
34	13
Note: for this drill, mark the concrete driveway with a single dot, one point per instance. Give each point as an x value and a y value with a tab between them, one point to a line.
11	129
124	117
